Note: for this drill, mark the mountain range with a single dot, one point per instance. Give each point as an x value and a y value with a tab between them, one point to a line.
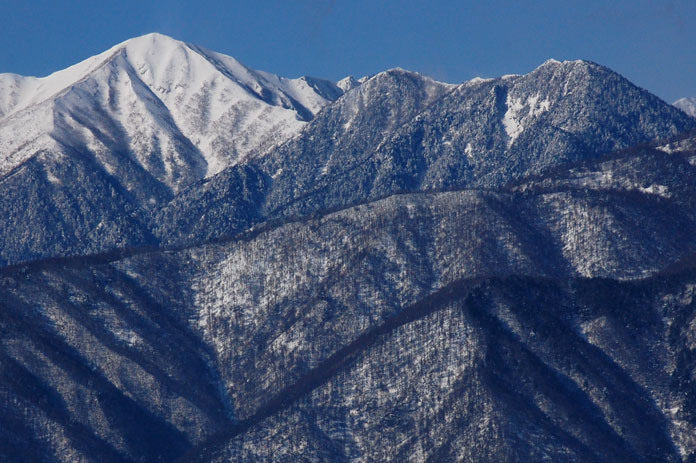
204	262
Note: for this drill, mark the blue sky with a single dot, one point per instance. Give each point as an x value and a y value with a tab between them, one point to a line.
653	43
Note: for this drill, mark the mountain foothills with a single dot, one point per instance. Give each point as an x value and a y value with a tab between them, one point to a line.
206	263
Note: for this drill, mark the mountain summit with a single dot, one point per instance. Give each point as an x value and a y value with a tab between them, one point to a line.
87	152
688	105
176	111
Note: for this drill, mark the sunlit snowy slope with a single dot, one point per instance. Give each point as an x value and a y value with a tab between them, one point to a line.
177	111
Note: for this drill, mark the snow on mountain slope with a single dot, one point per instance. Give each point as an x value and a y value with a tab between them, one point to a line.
688	105
403	132
18	92
177	111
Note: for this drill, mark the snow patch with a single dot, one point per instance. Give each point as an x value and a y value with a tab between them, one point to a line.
658	190
468	150
666	149
536	107
516	116
513	127
50	176
292	344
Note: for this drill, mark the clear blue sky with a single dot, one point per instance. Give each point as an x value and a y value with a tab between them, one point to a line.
653	43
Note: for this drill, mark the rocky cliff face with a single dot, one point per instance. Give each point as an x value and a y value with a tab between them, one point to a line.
424	272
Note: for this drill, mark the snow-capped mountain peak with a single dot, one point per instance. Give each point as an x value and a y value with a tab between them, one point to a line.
688	105
348	83
181	112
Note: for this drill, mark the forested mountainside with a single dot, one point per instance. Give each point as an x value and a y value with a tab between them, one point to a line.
401	132
501	270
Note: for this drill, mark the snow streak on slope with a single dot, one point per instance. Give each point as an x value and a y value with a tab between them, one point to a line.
179	111
519	112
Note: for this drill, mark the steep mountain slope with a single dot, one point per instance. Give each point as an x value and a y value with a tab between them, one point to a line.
483	133
392	307
97	371
136	123
479	374
336	337
688	105
55	205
